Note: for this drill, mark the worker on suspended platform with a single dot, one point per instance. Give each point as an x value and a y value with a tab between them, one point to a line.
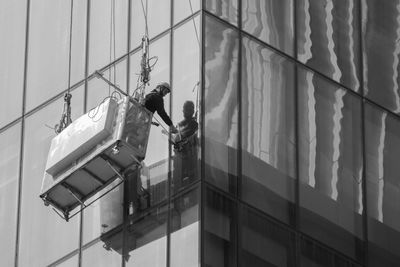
154	102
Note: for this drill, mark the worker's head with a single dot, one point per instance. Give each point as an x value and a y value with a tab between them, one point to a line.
188	109
164	88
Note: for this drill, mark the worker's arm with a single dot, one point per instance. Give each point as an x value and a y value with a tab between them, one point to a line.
161	111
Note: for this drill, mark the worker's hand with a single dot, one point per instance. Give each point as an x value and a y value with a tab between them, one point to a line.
173	129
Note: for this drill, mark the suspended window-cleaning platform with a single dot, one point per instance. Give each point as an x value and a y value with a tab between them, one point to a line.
93	151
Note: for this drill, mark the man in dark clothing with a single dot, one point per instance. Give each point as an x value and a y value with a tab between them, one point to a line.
154	102
185	148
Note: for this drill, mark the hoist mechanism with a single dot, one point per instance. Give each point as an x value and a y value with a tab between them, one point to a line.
66	115
145	62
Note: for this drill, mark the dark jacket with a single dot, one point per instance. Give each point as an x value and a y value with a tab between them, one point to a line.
155	102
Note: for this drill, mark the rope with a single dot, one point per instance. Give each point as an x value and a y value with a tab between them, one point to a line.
194	23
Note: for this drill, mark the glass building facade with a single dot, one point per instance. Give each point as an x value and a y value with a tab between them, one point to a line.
295	162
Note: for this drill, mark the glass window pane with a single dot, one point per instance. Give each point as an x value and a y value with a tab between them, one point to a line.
330	164
185	114
315	255
158	19
225	9
271	21
10	141
383	187
380	20
264	243
221	104
78	43
48	50
328	38
97	255
185	8
41	228
268	142
12	51
108	32
146	240
185	240
220	226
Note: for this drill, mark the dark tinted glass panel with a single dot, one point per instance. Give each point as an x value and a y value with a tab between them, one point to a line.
225	9
330	163
381	23
185	107
328	38
268	143
185	240
271	21
264	243
104	254
220	226
315	255
146	240
41	229
12	47
10	141
221	104
383	187
48	50
108	32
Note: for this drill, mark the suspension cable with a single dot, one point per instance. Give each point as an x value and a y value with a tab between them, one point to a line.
194	23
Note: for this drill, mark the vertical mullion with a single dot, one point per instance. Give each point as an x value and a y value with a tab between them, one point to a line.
21	151
202	133
239	148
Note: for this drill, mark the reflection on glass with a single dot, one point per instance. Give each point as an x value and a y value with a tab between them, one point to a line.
381	23
328	38
330	163
264	243
108	32
221	104
9	167
146	240
185	108
158	19
268	143
97	255
225	9
154	172
383	187
220	226
185	241
48	50
313	254
185	8
271	21
41	228
12	48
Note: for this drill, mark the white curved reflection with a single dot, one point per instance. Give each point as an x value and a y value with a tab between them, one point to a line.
304	57
337	74
395	65
312	155
381	170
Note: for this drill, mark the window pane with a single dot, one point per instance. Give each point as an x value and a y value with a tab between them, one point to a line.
315	255
146	240
185	241
383	198
381	52
9	169
78	43
108	32
185	84
97	255
225	9
271	21
328	38
158	19
221	104
48	50
12	51
220	226
268	142
330	164
264	243
41	228
185	8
